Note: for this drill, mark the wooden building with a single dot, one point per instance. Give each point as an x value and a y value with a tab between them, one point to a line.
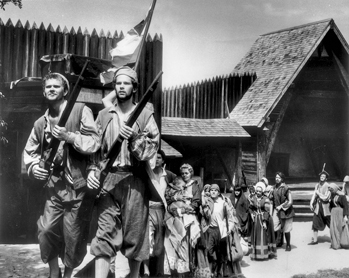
296	111
211	146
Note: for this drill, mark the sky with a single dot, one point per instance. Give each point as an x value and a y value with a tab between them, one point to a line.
202	39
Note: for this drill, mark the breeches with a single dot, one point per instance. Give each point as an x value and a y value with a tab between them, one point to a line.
156	230
283	224
64	226
320	221
216	245
122	218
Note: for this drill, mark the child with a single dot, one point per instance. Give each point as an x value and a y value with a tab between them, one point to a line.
179	198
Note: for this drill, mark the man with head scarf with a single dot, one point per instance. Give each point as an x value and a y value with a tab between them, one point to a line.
123	207
319	204
63	228
222	230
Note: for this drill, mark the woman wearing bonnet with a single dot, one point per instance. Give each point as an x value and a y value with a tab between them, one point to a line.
262	235
339	218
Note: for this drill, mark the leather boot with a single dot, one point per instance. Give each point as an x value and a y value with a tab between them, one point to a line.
279	238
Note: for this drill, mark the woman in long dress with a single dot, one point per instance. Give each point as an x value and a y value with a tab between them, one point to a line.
339	217
182	225
262	235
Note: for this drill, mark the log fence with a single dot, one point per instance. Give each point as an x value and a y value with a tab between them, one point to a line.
21	48
208	99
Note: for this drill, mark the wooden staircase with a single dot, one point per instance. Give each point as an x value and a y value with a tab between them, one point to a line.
301	194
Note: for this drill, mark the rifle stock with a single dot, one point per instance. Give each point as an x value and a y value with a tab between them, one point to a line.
106	164
50	153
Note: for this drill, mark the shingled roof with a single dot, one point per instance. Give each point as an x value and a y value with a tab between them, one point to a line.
277	58
169	150
201	127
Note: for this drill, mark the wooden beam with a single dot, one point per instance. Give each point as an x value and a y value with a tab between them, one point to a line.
321	94
343	74
276	127
225	168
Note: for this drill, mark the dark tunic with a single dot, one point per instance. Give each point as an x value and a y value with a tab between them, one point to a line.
242	207
279	195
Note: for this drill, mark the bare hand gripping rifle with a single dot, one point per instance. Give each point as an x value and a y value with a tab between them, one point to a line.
50	153
107	163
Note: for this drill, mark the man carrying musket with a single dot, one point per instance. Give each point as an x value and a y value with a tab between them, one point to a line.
63	228
123	205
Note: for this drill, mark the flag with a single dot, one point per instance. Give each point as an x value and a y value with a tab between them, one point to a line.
126	50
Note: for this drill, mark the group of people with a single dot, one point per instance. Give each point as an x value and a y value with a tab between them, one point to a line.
265	215
72	182
143	210
330	206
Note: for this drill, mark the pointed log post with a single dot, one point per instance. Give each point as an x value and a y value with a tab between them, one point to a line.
26	49
117	38
108	45
101	45
72	41
94	44
86	43
193	92
79	42
66	39
58	41
33	59
50	40
9	33
18	51
41	45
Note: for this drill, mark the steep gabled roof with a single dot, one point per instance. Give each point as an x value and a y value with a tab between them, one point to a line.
201	127
277	58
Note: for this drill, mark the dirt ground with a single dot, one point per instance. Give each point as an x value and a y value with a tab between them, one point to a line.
24	260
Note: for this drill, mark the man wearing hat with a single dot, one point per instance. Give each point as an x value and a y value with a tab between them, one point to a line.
124	209
63	228
223	224
320	205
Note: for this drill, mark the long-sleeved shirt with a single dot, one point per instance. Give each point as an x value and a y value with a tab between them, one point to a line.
322	198
85	141
143	146
222	209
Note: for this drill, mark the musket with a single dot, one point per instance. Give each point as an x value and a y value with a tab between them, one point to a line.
107	163
314	198
50	153
228	234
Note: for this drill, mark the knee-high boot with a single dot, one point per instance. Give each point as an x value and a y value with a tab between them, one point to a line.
279	238
288	241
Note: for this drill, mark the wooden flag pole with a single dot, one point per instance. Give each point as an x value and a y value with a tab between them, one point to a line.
148	20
